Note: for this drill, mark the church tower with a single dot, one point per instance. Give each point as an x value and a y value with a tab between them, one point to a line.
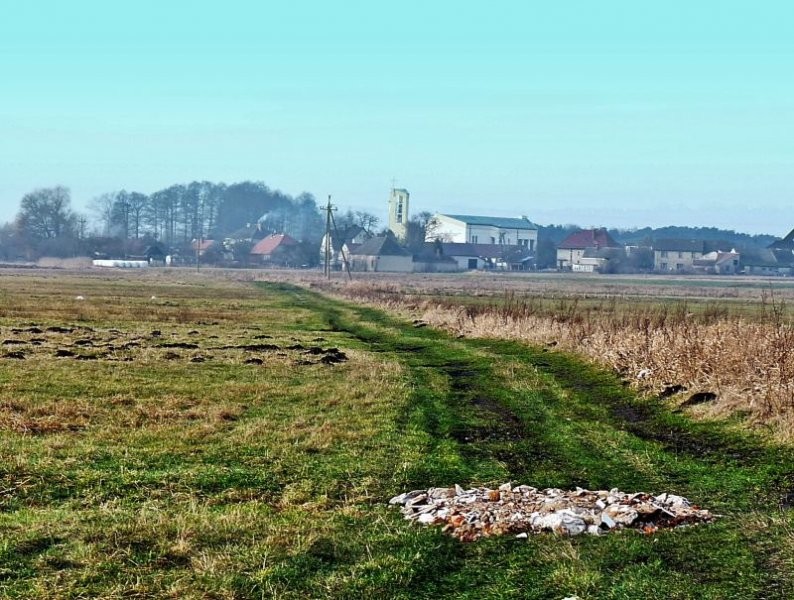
398	212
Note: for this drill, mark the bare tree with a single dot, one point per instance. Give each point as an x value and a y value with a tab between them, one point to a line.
367	221
45	214
102	208
136	204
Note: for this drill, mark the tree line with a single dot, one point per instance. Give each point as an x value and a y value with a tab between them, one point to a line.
46	224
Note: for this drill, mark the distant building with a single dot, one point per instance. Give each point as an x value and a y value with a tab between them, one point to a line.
680	256
398	212
382	254
776	259
787	243
202	246
469	257
252	232
276	249
474	229
431	259
341	244
583	250
718	263
595	260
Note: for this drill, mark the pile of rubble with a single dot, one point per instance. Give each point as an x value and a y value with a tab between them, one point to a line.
471	514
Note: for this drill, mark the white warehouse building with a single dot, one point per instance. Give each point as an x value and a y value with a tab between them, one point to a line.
470	229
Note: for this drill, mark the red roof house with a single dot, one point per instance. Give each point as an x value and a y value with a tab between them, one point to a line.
275	248
571	250
589	238
202	246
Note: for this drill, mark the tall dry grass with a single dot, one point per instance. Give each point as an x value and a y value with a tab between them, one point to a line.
677	349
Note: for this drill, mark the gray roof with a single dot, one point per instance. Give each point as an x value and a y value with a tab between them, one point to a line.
787	243
503	222
679	245
380	246
702	246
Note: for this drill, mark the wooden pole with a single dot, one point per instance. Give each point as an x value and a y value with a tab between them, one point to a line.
328	238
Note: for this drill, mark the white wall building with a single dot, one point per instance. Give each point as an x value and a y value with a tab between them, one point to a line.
472	229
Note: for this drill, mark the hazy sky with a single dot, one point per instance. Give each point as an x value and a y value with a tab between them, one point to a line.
596	113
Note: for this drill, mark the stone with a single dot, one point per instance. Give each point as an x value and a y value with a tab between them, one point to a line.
620	514
471	514
607	522
436	493
570	524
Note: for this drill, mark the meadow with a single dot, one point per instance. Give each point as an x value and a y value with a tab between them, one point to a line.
237	435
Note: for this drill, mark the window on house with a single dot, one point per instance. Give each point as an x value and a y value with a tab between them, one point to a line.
523	242
474	239
493	240
679	266
680	255
664	253
663	266
531	245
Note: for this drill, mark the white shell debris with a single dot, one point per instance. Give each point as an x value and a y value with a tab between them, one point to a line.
475	513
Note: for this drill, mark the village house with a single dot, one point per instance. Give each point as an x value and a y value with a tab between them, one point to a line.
431	259
718	263
679	256
596	260
202	247
590	242
381	254
276	249
342	244
252	232
768	262
474	229
775	259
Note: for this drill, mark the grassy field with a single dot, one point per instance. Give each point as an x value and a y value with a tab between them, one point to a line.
180	435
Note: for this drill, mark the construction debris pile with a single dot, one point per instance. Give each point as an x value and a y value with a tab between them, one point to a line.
471	514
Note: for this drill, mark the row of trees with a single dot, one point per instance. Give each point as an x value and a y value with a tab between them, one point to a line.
206	210
47	225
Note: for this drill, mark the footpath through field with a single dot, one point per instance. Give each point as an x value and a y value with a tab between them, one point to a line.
497	411
209	438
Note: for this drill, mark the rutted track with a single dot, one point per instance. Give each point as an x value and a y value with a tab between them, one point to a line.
580	427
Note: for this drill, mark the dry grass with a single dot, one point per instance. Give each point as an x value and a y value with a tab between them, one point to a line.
739	348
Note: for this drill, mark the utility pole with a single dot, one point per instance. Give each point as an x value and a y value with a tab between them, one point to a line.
329	222
328	238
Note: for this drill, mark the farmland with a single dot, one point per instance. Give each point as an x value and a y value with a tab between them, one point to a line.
179	434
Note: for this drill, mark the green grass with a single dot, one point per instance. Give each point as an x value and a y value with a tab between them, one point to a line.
227	480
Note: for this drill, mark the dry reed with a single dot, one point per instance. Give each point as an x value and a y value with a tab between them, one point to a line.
740	364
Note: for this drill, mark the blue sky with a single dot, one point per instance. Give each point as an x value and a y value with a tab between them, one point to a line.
596	113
